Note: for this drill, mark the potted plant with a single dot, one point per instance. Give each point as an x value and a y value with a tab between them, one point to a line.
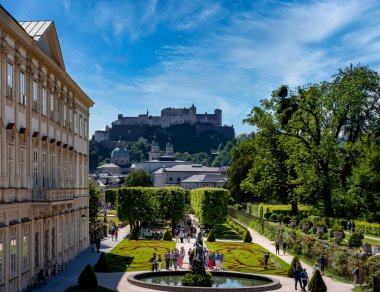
338	233
293	222
321	228
305	225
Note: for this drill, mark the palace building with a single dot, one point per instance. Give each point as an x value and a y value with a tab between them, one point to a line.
43	155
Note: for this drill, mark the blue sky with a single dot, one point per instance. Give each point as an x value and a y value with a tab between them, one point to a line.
130	56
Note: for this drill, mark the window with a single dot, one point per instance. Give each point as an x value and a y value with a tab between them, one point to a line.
51	106
64	115
35	168
25	253
52	165
9	80
85	128
70	119
13	255
44	175
75	123
22	167
35	96
22	88
1	263
80	126
44	106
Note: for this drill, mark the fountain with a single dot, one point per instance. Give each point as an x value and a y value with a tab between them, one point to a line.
201	280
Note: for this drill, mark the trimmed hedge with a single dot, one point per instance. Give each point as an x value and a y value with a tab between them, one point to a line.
167	236
210	205
87	279
110	196
211	236
102	265
247	237
303	210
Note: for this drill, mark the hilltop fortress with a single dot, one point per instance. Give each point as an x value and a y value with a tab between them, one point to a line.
184	125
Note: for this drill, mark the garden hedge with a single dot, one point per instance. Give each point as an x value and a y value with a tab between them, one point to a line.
210	205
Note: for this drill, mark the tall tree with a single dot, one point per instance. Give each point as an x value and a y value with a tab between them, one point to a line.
317	127
94	200
138	178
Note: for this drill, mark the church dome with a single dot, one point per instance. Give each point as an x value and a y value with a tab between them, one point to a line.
119	152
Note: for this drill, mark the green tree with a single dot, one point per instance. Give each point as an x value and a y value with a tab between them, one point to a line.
110	196
136	204
94	200
138	178
318	127
171	202
225	155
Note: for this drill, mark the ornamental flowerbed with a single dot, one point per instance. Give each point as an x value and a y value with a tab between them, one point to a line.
134	255
248	258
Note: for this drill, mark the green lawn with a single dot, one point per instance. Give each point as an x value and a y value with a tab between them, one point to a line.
248	258
136	254
224	231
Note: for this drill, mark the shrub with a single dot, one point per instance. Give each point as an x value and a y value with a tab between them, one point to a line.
133	235
102	264
343	223
290	273
287	219
211	236
197	280
273	217
316	283
267	215
280	217
247	237
238	206
355	240
87	279
167	236
375	281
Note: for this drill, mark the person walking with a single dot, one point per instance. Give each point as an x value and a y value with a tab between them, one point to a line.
297	276
222	262
266	258
284	246
304	279
154	262
159	261
116	233
277	247
167	259
322	263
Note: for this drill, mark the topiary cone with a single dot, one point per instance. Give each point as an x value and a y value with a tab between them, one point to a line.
316	283
290	273
247	237
211	236
87	279
102	264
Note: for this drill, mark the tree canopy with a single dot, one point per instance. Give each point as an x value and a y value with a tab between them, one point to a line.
138	178
94	199
318	142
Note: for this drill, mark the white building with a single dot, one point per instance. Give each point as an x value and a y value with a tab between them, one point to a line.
173	176
204	181
43	155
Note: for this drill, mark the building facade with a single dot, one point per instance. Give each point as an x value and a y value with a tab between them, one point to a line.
43	155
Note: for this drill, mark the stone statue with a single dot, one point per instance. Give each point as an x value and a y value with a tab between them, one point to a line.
198	266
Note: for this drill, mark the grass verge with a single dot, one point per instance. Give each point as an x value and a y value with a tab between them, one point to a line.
224	231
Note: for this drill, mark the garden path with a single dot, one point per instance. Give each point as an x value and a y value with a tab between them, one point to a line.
332	285
69	277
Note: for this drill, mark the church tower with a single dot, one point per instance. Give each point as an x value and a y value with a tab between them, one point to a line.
169	147
155	150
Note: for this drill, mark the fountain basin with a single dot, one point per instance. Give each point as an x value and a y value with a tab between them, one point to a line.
223	281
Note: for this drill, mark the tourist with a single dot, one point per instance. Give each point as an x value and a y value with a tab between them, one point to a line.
217	261
176	232
349	226
182	254
175	259
214	260
322	263
297	276
304	279
154	262
167	259
97	243
355	273
159	261
210	261
266	258
206	258
188	236
353	226
190	254
277	247
284	246
315	267
222	261
116	233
